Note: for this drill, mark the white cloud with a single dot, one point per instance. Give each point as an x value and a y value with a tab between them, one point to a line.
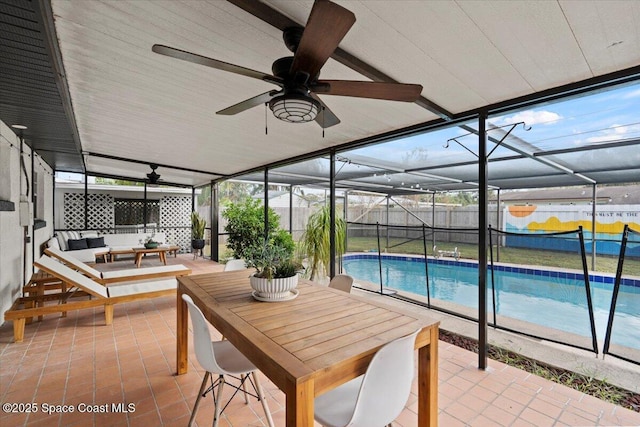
532	117
614	133
633	94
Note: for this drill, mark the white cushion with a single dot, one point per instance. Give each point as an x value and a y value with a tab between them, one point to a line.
147	270
53	243
64	236
65	273
126	289
85	234
87	255
126	240
71	258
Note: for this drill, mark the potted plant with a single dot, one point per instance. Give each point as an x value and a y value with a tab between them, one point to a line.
276	275
149	243
198	224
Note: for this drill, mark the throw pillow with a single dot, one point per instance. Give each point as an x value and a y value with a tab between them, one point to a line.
95	242
88	234
53	243
77	244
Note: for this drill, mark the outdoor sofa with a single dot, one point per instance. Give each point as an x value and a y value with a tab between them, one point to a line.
86	246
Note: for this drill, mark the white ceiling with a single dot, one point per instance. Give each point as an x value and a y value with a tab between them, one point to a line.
132	103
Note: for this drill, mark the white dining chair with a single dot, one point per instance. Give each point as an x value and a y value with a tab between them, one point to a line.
375	398
342	282
221	358
235	264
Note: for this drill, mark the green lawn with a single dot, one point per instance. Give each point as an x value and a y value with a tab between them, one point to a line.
545	258
604	264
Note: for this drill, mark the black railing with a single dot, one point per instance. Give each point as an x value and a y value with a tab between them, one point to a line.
621	351
445	244
578	236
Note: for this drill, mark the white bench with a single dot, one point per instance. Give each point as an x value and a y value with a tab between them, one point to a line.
439	253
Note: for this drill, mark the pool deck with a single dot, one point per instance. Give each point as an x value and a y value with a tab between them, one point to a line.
611	369
77	360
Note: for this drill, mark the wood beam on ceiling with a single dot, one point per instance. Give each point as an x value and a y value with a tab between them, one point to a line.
128	178
147	162
278	20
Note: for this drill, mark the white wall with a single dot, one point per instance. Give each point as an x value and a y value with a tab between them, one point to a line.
14	272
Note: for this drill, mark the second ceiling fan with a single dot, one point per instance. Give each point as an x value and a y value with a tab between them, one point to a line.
297	76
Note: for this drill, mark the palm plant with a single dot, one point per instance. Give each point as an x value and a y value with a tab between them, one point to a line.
315	242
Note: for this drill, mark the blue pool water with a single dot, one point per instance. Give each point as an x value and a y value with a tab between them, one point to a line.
548	298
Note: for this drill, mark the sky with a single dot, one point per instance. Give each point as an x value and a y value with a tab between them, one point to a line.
602	117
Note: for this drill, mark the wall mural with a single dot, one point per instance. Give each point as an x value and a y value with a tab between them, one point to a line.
610	221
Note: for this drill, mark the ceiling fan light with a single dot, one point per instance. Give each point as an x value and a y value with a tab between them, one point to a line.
294	108
153	177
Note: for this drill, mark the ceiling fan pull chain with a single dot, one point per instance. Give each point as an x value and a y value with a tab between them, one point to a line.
266	131
323	122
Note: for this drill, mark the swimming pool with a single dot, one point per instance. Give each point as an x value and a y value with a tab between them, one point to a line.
553	299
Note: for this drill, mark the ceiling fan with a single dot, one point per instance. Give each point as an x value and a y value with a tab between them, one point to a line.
153	178
297	76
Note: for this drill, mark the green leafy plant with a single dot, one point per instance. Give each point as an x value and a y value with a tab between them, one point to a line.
245	226
272	260
315	242
198	225
149	239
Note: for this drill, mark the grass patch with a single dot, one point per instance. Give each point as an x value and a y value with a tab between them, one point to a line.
583	383
544	258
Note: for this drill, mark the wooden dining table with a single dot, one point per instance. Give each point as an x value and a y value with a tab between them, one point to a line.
312	343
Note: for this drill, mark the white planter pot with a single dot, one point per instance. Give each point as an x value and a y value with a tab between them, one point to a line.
275	289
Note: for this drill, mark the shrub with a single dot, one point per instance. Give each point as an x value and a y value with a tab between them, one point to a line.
245	225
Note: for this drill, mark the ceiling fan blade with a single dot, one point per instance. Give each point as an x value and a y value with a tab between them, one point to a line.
214	63
249	103
325	117
375	90
327	25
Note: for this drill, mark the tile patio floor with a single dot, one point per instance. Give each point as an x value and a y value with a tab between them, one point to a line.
79	361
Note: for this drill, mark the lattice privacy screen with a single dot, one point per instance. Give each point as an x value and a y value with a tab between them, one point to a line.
174	215
99	211
74	210
175	220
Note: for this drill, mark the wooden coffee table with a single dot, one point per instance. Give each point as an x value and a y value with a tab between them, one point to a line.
160	250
